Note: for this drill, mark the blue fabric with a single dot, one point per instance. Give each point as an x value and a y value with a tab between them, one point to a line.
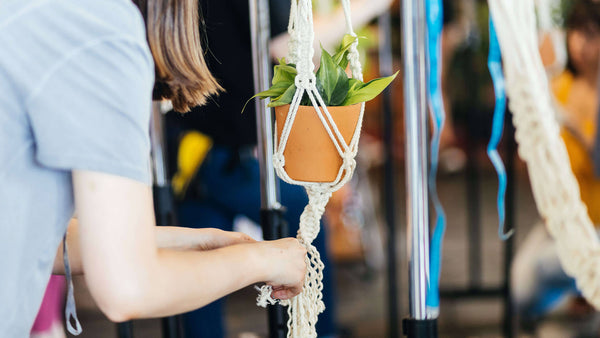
76	82
231	187
435	20
495	67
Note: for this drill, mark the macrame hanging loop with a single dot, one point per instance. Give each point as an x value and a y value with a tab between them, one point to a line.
304	309
554	186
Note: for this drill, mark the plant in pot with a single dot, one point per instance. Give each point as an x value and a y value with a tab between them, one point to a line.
310	154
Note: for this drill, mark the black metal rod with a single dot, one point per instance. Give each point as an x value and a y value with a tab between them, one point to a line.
125	330
420	328
164	206
474	214
271	213
164	209
510	324
389	170
468	293
275	227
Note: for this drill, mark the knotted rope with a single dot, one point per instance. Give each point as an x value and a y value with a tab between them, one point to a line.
554	186
304	309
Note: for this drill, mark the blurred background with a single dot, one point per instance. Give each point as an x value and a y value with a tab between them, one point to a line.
480	297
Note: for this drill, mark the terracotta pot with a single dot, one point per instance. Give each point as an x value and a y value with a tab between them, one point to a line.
310	154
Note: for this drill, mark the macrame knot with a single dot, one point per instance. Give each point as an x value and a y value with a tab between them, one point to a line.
305	81
348	161
264	296
278	160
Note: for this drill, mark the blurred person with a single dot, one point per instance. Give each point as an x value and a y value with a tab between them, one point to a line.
77	80
220	141
539	281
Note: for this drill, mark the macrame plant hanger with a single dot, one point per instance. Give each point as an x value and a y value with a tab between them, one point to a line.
554	186
303	310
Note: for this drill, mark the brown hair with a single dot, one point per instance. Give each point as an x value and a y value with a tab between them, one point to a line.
173	31
583	16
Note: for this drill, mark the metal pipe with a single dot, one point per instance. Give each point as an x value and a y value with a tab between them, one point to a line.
271	214
164	207
157	137
473	206
510	320
261	65
386	69
413	32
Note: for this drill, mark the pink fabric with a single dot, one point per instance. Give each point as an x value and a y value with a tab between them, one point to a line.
52	307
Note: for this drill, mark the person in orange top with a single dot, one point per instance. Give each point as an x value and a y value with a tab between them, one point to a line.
539	282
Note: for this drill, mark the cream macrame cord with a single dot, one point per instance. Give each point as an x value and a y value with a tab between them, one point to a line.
554	186
303	310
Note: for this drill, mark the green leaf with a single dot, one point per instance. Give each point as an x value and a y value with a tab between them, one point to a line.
274	104
275	91
354	85
368	91
341	56
283	73
285	98
332	81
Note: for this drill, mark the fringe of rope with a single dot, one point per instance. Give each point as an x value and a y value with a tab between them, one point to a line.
303	310
554	186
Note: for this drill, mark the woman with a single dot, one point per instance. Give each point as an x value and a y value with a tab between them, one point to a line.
77	79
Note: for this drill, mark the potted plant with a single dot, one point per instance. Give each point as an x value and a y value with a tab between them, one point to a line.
310	154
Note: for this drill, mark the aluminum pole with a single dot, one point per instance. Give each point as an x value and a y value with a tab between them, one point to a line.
261	65
157	137
413	32
271	212
389	186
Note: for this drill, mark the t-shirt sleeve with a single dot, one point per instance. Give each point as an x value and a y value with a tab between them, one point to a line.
92	111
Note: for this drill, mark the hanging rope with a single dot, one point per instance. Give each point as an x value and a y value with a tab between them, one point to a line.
554	187
303	310
435	21
495	67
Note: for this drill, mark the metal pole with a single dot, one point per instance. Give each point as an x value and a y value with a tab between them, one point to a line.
510	320
164	208
415	105
271	212
389	186
474	213
261	65
125	330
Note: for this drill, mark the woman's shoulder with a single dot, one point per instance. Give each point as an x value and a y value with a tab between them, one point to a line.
72	22
45	36
104	18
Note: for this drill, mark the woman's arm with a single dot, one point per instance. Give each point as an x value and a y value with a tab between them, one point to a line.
179	238
176	238
130	277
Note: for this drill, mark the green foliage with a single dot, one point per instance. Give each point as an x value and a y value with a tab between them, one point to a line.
332	81
333	84
363	92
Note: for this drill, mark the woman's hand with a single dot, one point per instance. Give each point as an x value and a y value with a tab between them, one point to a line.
198	239
286	264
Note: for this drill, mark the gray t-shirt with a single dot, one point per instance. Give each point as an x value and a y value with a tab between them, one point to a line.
76	80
